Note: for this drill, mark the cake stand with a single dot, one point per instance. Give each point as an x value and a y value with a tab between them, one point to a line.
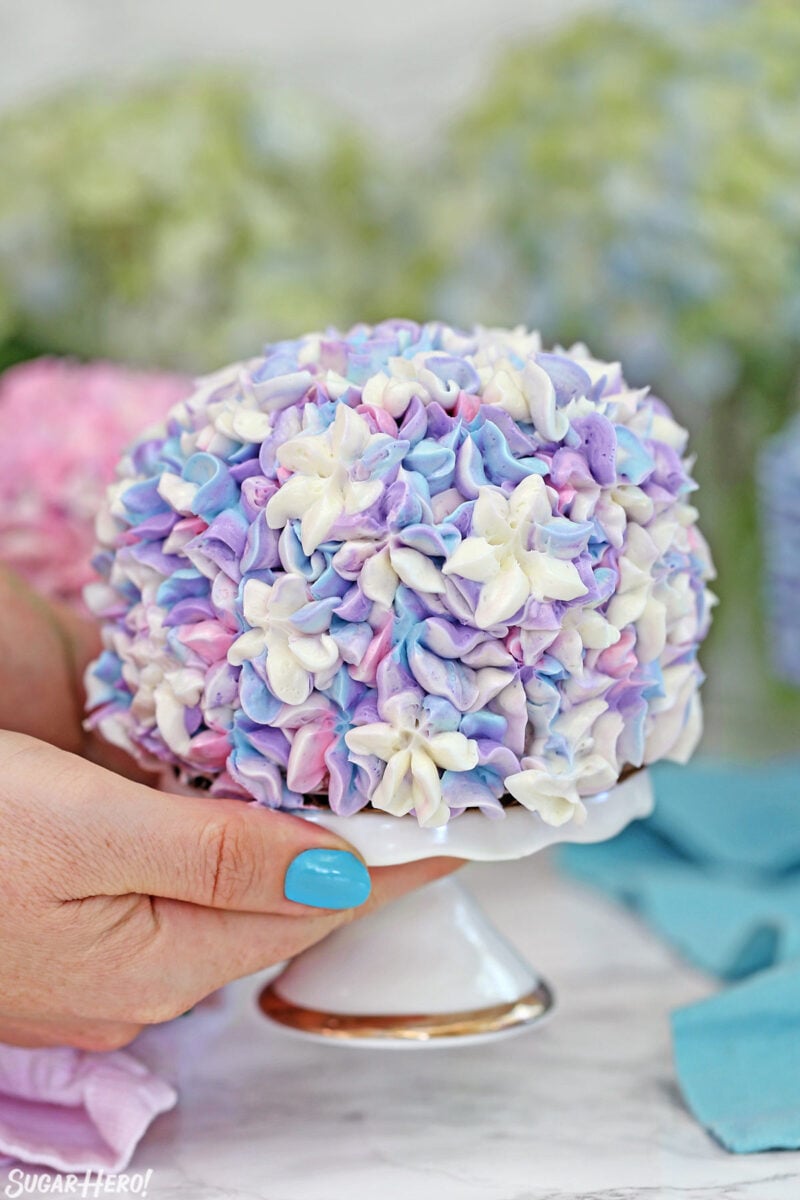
430	969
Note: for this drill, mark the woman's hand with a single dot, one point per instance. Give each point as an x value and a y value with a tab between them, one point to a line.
121	906
44	651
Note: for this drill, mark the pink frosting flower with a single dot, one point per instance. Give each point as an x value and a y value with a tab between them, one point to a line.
63	426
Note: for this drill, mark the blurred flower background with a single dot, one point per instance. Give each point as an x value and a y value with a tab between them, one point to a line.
626	175
182	222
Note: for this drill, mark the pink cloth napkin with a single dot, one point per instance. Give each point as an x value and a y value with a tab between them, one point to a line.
76	1111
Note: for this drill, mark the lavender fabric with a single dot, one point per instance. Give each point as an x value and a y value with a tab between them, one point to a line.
77	1111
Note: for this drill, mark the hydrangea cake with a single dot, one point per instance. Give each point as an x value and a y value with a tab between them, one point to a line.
410	567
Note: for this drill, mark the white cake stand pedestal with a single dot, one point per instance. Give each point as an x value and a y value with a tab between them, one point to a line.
430	969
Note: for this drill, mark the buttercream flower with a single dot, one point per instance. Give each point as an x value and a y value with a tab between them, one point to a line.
554	788
462	665
319	760
294	656
413	757
498	556
257	762
324	483
385	567
245	414
529	396
410	552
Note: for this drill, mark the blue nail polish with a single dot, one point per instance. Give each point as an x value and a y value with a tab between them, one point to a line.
327	879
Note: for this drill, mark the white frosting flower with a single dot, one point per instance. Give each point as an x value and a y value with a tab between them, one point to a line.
411	779
295	660
526	395
675	718
243	421
162	691
384	566
179	493
494	341
177	691
553	787
394	392
384	571
208	390
321	490
245	415
237	406
498	557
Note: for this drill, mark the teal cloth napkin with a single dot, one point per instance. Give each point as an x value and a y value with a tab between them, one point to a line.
738	1060
716	871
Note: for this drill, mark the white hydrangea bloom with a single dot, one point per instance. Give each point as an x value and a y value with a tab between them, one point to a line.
295	660
497	555
321	490
553	787
411	779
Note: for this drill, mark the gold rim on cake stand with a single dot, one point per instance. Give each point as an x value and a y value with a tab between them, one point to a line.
408	1027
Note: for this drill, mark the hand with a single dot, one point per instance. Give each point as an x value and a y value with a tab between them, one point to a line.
121	906
44	651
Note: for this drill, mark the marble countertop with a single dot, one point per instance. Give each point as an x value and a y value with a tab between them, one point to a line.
584	1107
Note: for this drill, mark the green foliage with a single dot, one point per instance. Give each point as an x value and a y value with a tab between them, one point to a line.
182	223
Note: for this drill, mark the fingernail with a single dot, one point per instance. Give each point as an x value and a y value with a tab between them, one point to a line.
327	879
